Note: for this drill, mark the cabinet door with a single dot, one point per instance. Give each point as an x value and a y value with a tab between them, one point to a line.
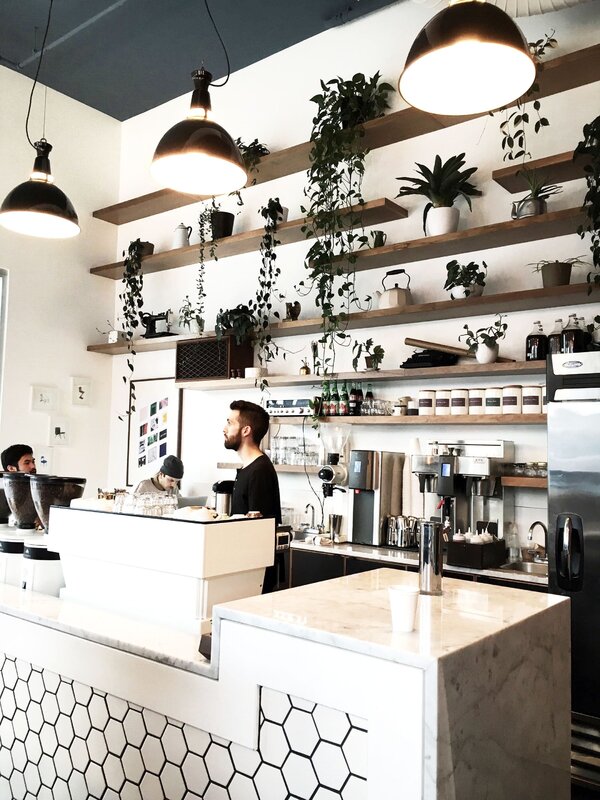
356	565
314	567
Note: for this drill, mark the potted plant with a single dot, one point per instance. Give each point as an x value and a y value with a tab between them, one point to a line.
190	315
238	322
360	99
535	201
557	272
465	280
442	186
484	341
251	156
589	148
374	354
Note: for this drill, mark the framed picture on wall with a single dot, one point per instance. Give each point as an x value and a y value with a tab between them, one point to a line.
81	390
44	398
43	458
59	431
154	428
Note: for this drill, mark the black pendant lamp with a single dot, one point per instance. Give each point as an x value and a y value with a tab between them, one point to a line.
198	156
38	207
470	58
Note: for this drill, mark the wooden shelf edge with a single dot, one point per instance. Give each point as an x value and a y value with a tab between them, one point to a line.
523	482
284	469
559	74
476	419
373	212
559	168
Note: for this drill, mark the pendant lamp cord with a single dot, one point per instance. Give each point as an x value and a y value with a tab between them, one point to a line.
222	45
35	80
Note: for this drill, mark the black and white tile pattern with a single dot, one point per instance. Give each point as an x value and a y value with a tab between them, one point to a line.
62	740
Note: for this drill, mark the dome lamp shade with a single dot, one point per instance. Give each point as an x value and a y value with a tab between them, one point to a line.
197	156
37	207
469	59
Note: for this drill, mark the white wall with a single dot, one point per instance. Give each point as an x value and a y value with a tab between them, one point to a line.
270	100
54	304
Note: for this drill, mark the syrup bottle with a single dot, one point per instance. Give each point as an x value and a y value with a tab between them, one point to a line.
555	338
536	344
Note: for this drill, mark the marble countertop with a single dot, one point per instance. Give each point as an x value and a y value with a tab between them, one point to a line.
353	613
389	555
168	646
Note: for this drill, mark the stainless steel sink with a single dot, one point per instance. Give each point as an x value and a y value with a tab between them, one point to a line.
527	567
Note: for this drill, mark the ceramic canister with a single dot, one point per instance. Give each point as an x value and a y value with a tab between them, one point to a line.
426	402
41	570
442	402
459	401
493	401
11	559
512	399
532	400
476	401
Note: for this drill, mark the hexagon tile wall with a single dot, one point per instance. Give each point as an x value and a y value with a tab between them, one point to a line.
61	740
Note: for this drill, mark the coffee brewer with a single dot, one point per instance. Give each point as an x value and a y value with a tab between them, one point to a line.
461	481
375	480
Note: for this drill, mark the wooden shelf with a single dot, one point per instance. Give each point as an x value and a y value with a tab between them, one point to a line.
523	300
374	212
522	482
498	234
555	169
140	345
285	469
466	370
479	419
559	74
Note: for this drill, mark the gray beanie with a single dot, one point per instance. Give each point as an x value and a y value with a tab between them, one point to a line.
173	467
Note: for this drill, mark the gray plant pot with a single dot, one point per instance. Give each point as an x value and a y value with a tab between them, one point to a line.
528	208
556	274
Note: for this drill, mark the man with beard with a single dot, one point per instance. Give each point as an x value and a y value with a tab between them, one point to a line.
256	486
18	458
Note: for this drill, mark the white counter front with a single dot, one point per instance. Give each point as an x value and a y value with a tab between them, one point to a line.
308	688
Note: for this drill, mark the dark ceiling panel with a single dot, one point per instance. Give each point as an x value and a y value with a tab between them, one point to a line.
124	57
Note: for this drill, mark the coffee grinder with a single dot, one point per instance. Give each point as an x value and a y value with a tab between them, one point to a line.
334	473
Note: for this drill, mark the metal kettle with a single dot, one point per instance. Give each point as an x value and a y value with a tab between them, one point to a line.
181	236
223	493
396	297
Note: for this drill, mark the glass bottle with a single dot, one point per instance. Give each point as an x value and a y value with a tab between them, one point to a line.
325	400
352	400
555	338
369	395
359	399
570	336
344	407
536	344
587	336
334	403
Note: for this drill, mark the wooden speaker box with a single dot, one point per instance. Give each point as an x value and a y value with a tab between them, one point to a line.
201	359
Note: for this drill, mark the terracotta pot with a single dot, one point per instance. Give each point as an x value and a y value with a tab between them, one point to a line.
442	220
556	274
485	354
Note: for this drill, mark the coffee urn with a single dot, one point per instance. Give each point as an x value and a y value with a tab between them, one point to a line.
223	492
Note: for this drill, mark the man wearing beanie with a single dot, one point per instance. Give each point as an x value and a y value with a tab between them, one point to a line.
166	480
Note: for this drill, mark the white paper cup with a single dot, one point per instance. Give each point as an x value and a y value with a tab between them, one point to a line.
403	605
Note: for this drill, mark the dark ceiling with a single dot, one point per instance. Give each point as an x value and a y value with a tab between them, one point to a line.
124	57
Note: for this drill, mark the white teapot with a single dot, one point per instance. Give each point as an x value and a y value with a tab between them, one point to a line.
396	297
181	236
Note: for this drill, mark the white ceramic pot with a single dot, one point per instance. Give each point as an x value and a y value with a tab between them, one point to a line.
462	292
485	354
441	220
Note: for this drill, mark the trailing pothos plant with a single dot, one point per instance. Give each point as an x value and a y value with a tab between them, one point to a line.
334	186
262	304
516	123
132	303
251	156
589	148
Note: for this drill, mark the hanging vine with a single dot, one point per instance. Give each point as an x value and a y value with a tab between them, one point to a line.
132	303
334	195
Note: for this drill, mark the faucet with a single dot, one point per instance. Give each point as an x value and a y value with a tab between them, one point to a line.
312	510
530	539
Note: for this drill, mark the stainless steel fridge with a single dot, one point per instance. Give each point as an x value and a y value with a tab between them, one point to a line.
573	393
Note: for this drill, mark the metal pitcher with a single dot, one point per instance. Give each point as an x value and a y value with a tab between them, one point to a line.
181	236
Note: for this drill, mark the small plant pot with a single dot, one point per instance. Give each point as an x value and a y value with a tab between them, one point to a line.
485	354
199	325
462	292
442	220
222	224
147	248
371	363
528	208
282	216
556	274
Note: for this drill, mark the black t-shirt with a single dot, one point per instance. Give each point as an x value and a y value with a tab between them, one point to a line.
256	488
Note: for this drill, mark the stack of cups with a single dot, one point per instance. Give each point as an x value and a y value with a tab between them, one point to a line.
403	605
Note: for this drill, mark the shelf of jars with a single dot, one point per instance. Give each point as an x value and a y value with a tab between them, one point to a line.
373	212
525	300
284	469
559	168
458	419
466	370
559	74
498	234
524	482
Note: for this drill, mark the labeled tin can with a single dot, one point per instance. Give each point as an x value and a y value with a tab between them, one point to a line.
476	401
426	402
532	400
512	400
442	402
459	401
493	401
